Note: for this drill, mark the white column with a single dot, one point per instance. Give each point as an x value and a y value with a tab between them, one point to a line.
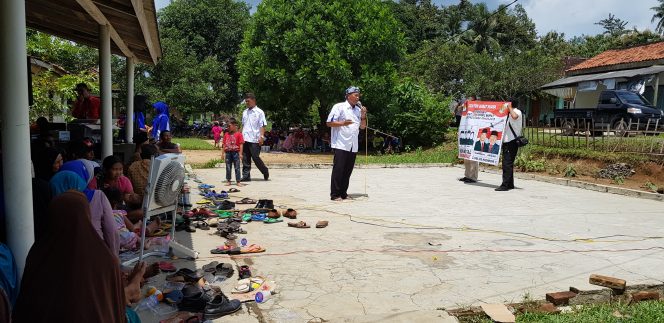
105	91
17	181
129	125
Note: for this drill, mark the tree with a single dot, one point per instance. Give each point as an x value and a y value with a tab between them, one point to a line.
420	117
200	41
421	21
613	26
71	56
658	16
298	52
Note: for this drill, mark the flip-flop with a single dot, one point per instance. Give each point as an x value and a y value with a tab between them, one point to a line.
223	269
246	200
272	220
166	266
299	225
204	201
202	225
224	213
254	248
258	217
233	190
226	250
210	268
321	224
246	217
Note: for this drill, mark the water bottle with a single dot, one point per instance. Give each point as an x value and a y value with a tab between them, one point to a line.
262	296
149	302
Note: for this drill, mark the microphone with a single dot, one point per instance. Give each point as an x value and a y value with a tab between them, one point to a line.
359	104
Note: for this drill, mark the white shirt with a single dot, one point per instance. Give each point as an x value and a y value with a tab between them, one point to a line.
345	137
252	121
517	125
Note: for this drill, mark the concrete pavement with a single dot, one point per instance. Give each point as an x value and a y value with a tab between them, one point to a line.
422	241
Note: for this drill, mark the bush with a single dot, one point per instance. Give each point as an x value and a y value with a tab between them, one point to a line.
421	118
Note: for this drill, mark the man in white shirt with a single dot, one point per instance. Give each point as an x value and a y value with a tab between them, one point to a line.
253	130
346	119
510	148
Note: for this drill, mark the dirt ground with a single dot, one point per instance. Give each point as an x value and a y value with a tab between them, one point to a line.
203	156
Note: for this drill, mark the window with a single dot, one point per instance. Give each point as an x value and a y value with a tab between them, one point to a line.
605	98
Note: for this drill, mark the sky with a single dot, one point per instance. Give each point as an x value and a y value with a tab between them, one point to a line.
572	17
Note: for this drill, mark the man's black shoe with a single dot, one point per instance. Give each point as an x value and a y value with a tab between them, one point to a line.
245	179
502	188
269	204
220	306
266	176
463	179
468	180
260	204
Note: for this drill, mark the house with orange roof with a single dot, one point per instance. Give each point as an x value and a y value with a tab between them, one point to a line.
638	69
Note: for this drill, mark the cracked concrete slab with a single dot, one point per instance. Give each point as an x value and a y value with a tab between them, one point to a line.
422	241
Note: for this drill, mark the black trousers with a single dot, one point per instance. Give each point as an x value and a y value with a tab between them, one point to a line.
509	155
252	151
343	164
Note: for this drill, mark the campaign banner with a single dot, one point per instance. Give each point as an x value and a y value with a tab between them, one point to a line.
481	130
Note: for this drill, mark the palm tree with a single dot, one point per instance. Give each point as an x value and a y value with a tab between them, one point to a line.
659	16
483	31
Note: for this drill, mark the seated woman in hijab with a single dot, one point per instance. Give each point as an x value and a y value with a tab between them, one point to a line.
83	281
73	176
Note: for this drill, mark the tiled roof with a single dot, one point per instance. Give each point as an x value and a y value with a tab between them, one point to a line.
643	53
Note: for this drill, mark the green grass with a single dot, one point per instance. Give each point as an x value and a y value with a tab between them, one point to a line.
580	153
193	144
440	154
643	312
209	164
633	143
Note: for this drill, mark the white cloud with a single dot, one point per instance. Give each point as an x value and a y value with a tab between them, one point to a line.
577	17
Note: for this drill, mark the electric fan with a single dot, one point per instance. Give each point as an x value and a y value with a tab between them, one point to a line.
165	182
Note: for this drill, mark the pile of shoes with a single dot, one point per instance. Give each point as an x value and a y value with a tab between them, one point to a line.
230	227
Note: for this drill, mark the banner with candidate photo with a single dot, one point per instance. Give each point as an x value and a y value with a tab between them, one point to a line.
481	130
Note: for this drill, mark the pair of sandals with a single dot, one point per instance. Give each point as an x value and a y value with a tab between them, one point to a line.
304	225
219	269
246	200
229	250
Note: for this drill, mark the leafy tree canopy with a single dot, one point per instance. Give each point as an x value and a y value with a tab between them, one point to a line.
298	52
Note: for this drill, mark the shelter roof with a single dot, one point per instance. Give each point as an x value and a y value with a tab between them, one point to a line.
133	24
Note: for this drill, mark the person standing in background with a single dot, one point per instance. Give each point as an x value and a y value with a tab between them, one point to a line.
253	132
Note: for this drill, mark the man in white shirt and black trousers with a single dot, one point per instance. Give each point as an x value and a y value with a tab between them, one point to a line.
510	148
253	130
346	119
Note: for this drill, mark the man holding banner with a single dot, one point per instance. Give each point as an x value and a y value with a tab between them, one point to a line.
510	147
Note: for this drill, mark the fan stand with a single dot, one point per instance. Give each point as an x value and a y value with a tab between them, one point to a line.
149	213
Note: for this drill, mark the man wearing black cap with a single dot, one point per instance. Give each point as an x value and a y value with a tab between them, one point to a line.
346	119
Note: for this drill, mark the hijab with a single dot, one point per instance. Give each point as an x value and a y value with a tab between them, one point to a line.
79	167
70	275
43	160
66	180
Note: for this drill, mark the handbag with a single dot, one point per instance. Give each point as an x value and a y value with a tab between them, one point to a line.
520	140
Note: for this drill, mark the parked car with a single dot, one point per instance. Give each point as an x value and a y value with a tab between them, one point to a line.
617	110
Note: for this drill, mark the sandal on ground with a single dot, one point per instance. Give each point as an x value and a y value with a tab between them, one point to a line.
273	214
158	233
246	200
233	190
210	268
321	224
254	248
243	272
272	220
290	213
226	250
166	266
225	270
299	225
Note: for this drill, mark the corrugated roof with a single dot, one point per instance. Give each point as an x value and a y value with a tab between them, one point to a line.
573	80
643	53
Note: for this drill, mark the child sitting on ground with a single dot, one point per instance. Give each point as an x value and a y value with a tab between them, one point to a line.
232	146
128	233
